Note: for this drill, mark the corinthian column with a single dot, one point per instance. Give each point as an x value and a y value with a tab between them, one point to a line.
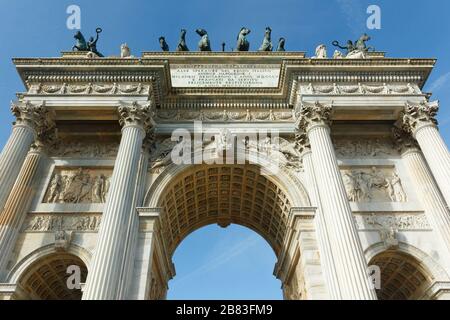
28	118
428	192
420	121
21	195
351	265
103	280
326	254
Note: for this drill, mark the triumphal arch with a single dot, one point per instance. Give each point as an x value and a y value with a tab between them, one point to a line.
337	162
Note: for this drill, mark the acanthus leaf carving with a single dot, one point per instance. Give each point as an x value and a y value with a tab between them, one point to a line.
404	140
310	115
415	116
136	114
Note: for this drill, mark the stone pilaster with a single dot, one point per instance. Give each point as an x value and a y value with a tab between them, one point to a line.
326	254
103	280
29	118
428	192
151	254
420	121
350	262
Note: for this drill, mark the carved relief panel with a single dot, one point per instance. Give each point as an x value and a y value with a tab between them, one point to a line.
85	149
57	222
364	147
373	184
78	185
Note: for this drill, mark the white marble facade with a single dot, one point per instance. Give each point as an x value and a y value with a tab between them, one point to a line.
359	183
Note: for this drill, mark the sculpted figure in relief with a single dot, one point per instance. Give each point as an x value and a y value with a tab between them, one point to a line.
77	187
367	186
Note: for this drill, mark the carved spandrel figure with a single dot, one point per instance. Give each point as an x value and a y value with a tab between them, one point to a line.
281	43
163	44
267	42
182	46
161	153
203	44
242	42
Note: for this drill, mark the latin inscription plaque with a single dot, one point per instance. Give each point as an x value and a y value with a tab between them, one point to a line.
225	75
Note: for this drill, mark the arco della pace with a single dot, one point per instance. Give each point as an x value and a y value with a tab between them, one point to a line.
88	179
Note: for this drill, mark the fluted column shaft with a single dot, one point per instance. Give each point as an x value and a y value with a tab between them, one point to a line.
30	121
104	278
428	192
12	157
16	206
133	226
351	265
437	155
420	121
326	255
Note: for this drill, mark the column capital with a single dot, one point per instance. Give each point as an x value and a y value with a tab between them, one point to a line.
404	141
136	114
313	115
30	115
417	116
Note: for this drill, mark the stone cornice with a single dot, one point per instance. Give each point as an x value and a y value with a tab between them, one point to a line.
152	71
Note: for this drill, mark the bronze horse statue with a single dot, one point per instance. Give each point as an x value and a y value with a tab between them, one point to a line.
182	46
88	46
267	42
242	42
203	44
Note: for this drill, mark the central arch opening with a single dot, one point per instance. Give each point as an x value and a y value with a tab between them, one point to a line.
231	263
224	195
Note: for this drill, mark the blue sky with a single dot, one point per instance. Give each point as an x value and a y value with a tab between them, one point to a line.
33	28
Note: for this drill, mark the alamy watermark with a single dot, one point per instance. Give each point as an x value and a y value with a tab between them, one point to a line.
74	280
73	21
374	19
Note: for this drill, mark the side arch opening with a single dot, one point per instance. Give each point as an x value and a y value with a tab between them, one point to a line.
46	278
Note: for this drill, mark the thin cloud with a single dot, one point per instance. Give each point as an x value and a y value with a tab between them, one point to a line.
354	15
440	82
234	251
